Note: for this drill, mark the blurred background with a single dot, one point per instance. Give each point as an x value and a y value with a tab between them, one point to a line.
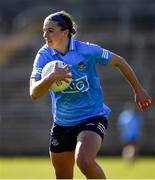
126	27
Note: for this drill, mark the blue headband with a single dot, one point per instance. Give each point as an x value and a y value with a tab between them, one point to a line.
58	18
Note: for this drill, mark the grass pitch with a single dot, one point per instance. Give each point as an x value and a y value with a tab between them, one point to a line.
41	168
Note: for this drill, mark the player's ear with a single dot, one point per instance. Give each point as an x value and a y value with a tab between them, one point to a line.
66	32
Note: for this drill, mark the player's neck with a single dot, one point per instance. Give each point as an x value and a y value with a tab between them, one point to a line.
64	46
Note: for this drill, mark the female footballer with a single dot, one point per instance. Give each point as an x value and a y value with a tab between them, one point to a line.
79	113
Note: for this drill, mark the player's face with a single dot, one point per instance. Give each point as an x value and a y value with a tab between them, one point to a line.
53	34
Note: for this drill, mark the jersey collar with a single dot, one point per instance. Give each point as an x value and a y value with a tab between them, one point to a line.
72	44
71	47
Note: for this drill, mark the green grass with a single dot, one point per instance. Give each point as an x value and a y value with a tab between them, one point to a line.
41	168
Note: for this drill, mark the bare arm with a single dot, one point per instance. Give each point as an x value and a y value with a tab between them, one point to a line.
38	87
142	99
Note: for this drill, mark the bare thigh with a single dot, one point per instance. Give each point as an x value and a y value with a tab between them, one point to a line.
63	164
88	145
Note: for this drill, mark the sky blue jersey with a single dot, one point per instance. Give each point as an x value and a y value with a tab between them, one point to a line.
84	98
130	125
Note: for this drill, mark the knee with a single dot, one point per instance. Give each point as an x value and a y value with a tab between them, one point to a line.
84	162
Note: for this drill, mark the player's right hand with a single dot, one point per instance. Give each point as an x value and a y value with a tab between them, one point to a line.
63	73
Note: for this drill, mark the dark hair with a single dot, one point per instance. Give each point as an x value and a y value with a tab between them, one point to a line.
65	21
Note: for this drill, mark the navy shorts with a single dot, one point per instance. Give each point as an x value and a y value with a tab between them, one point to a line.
64	138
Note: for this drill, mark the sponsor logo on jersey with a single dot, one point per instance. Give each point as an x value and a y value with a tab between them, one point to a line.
78	85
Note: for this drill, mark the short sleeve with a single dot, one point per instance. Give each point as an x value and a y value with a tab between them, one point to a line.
37	66
105	57
99	54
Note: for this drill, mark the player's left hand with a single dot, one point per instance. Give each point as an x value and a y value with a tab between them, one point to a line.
143	100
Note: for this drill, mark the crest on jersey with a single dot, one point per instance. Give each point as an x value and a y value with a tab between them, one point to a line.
81	66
